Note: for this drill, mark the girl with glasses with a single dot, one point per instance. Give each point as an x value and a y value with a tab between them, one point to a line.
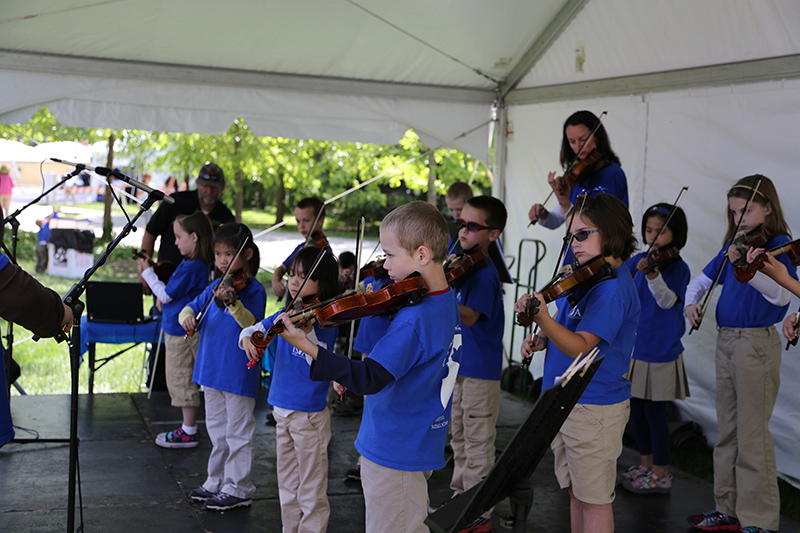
603	315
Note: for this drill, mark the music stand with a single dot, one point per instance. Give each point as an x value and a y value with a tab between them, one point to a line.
510	475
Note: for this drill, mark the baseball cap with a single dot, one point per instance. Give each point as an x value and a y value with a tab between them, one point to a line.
211	176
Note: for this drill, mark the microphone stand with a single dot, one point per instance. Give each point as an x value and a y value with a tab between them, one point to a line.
12	220
72	300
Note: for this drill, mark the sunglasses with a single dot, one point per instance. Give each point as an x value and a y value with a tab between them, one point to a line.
583	235
472	227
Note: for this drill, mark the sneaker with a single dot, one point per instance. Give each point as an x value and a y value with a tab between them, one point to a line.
480	525
177	439
648	483
223	502
200	494
354	474
714	521
754	529
635	471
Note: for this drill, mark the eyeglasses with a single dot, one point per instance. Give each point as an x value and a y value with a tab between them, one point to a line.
583	235
472	227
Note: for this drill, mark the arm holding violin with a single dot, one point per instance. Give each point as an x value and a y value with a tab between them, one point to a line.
188	319
571	343
157	287
664	296
775	270
278	288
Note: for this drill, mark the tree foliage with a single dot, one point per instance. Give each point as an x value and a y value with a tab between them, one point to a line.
273	172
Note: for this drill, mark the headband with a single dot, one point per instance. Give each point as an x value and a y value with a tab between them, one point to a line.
659	209
749	188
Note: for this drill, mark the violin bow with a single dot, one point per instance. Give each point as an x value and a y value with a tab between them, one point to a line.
564	247
201	315
307	277
359	254
575	159
669	217
707	299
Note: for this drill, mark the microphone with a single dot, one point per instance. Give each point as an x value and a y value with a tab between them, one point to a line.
182	206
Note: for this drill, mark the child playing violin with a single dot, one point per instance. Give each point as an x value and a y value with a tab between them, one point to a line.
408	376
748	358
229	386
193	237
657	373
603	315
303	421
476	397
310	216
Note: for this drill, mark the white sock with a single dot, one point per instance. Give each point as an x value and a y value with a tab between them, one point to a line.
189	430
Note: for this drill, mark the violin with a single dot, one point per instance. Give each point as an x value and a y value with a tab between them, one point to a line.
661	259
347	308
233	284
319	239
755	238
374	269
463	264
580	170
745	272
565	284
163	269
303	317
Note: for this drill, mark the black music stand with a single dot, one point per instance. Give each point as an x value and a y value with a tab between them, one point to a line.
510	475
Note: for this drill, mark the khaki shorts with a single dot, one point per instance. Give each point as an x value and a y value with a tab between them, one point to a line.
179	367
587	448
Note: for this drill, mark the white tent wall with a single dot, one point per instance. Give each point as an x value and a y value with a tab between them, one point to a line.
705	139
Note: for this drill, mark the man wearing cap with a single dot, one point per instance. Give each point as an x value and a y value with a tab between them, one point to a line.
210	184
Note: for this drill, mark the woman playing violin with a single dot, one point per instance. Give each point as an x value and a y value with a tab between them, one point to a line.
603	315
593	162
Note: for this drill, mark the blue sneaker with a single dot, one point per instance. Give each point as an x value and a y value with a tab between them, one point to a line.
223	502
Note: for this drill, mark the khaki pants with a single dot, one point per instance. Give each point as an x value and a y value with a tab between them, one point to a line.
179	368
476	404
748	365
302	467
231	427
395	501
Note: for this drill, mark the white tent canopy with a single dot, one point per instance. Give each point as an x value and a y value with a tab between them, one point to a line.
698	94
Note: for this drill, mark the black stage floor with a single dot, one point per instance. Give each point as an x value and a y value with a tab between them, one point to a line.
130	484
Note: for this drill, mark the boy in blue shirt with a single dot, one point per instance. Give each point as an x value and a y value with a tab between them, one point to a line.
476	398
305	213
408	378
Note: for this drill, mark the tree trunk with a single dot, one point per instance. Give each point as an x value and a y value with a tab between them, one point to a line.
281	200
431	178
107	224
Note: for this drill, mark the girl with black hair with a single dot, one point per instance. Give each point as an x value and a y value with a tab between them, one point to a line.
657	373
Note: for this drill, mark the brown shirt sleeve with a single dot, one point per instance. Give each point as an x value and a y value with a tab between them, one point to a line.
26	302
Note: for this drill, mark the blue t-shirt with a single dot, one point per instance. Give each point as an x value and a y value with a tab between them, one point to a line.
658	338
372	328
739	304
610	177
481	291
291	386
220	363
185	284
404	426
288	260
609	310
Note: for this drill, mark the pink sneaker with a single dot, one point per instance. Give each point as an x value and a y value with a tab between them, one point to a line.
177	438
